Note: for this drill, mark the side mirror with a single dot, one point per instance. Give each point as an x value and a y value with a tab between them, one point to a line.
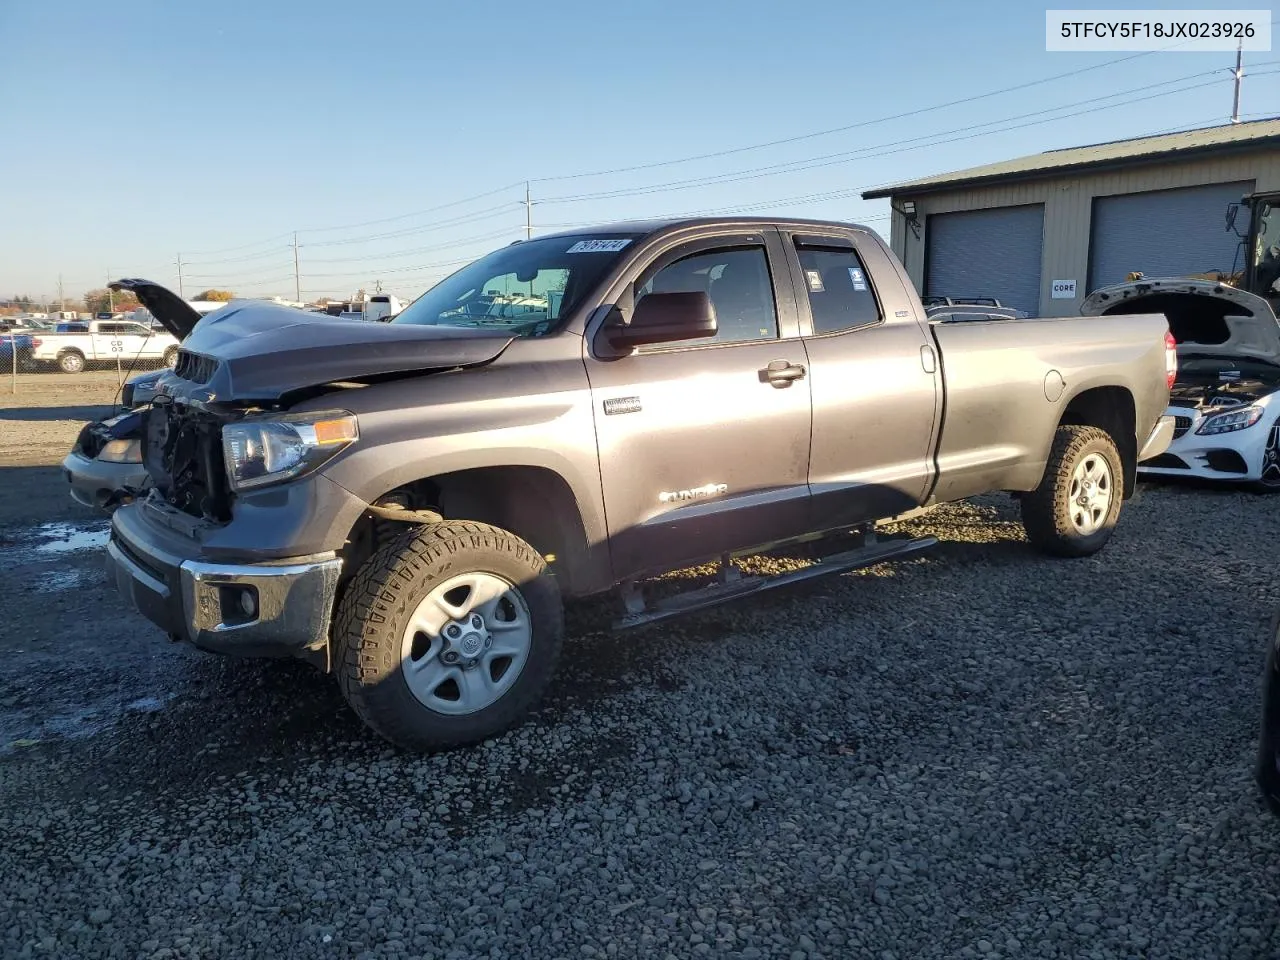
666	318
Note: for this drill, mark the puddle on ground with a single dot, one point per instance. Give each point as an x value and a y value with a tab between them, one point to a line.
52	542
69	537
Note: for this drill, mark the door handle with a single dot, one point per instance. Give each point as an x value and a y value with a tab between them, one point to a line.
782	372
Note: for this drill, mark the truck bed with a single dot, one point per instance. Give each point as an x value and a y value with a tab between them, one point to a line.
1007	384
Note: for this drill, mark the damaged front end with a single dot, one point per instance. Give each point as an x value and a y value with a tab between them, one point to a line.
182	452
105	467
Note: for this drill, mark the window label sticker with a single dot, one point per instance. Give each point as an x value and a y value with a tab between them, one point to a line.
598	246
814	279
859	281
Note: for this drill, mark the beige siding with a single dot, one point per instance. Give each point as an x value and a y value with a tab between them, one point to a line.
1068	205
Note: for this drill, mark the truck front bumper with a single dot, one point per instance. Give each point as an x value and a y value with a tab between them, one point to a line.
279	608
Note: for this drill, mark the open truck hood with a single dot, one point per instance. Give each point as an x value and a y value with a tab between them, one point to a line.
1205	317
173	313
261	351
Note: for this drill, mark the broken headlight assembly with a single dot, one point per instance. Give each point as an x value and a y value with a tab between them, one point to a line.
121	451
258	452
1237	419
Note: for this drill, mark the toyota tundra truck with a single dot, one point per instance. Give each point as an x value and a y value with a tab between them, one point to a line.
409	504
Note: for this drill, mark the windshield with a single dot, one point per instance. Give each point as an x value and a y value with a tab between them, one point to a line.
526	288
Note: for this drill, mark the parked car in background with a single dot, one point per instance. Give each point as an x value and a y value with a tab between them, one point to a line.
1226	400
105	340
382	306
104	467
407	504
16	349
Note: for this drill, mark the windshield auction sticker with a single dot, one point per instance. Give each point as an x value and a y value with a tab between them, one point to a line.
1181	31
598	246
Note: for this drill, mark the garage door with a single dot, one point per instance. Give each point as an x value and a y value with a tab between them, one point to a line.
1165	233
987	253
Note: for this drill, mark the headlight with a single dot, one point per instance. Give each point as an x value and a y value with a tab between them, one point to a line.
121	451
1237	419
259	452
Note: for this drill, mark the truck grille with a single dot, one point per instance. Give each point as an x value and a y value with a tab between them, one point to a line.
193	367
1180	426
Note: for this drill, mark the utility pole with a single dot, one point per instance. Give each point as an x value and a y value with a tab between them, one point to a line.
528	213
111	294
182	293
297	281
62	302
1239	75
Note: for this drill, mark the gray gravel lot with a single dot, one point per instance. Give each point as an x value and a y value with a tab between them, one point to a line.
981	752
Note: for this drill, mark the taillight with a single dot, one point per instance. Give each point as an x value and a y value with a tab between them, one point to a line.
1170	359
36	341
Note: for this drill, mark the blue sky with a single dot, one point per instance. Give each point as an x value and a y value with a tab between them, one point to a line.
138	129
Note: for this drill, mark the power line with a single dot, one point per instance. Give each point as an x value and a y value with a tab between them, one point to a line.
860	124
810	163
416	213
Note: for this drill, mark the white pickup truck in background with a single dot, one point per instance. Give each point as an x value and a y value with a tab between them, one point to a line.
104	341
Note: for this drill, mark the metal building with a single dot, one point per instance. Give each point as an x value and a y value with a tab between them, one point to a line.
1042	231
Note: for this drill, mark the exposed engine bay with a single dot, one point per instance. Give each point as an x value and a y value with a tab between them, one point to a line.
182	450
1228	387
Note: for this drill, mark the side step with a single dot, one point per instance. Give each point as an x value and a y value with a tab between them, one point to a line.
732	587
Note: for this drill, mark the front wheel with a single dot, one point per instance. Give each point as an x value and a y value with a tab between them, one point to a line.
448	635
1269	481
1074	510
171	357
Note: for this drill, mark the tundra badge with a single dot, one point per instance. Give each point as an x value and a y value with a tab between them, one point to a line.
621	405
697	493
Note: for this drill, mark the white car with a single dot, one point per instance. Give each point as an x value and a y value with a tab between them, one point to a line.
1226	399
105	340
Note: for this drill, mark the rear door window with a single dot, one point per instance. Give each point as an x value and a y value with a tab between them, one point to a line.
839	290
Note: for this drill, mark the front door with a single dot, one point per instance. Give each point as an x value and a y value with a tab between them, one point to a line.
704	445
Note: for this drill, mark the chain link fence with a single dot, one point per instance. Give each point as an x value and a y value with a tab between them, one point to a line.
24	355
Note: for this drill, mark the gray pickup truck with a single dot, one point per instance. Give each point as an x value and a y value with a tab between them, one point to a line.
408	504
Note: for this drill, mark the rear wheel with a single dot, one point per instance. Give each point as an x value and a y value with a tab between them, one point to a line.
1074	510
448	635
171	357
71	361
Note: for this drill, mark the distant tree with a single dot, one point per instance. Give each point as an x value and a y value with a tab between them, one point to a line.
23	302
222	296
102	300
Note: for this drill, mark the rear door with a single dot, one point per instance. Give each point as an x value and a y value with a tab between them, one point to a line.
874	379
704	448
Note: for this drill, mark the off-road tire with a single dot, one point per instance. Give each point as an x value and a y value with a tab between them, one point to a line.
71	361
1045	511
372	616
170	357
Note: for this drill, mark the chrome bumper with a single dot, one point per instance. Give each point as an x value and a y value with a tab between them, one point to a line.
1159	440
273	609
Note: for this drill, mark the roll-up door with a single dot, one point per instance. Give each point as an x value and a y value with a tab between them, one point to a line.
1166	233
987	253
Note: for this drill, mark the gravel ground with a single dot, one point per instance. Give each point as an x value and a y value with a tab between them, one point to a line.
977	753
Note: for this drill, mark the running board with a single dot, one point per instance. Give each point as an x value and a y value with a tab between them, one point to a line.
730	588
